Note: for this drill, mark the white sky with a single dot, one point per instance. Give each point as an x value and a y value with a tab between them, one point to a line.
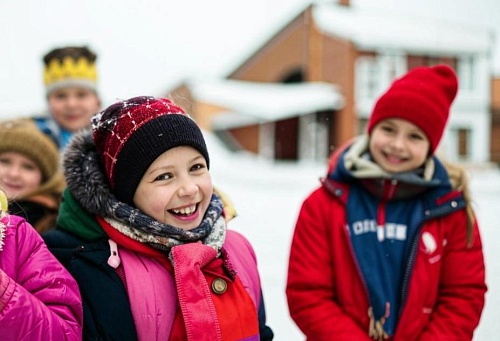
146	47
143	46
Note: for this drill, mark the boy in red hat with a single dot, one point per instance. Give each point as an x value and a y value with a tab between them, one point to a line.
388	247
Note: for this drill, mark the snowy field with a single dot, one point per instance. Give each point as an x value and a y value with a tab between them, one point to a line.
268	195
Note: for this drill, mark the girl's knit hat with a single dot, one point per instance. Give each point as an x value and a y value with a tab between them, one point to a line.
423	96
23	136
130	134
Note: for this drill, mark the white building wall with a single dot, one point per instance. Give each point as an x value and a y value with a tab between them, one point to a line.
306	137
266	140
313	139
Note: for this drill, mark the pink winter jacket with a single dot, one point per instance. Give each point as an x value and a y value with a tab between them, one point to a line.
39	300
154	292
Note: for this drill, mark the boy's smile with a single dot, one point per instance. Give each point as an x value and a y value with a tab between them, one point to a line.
73	107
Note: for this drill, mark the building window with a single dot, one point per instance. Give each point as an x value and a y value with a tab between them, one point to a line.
424	60
367	73
463	143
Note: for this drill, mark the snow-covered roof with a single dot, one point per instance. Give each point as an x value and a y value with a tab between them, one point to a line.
371	29
254	102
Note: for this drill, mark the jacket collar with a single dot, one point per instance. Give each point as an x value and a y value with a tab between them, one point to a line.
354	165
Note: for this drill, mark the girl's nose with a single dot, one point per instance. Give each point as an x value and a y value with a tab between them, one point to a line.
188	188
13	171
398	141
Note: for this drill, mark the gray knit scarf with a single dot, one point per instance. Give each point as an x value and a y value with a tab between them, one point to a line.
88	185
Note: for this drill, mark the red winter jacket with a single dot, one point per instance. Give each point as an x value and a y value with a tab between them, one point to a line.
327	297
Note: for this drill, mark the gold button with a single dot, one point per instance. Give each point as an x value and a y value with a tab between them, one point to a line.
219	286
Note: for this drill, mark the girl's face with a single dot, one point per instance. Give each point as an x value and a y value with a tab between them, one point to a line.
176	189
19	175
397	145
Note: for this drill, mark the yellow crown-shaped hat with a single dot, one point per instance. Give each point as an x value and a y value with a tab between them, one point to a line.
70	66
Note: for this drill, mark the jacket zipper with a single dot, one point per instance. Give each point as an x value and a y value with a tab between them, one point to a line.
358	268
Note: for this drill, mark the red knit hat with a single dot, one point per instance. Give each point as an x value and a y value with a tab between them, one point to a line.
129	135
423	96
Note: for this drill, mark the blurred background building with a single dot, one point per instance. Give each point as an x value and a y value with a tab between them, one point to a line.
311	86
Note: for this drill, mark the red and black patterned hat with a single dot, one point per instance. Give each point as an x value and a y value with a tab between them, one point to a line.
130	134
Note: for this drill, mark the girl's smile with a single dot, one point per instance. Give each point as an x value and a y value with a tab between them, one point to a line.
176	189
397	145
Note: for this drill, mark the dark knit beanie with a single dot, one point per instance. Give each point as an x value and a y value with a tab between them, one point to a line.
423	96
23	136
131	134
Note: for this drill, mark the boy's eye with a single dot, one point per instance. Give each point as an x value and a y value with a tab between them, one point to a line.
82	94
60	95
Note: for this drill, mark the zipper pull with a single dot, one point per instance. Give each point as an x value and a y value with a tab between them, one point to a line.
114	259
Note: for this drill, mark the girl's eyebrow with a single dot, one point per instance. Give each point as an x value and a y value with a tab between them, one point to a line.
162	168
167	167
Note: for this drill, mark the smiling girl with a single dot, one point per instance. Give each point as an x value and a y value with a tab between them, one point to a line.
388	248
30	173
155	259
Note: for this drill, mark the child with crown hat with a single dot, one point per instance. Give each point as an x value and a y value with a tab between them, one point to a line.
388	247
156	260
70	77
39	299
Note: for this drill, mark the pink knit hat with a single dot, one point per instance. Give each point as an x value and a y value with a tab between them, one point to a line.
423	96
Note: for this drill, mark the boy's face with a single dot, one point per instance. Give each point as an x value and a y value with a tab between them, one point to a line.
176	189
72	107
397	145
19	175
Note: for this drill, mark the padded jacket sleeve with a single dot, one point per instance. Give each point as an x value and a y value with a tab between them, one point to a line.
39	300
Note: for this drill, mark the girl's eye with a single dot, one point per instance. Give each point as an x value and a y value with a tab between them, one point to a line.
164	176
197	166
416	137
29	167
387	129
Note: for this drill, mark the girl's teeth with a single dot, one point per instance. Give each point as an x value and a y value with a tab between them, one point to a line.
186	210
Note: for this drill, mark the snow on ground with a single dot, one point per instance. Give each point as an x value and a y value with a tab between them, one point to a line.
267	196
